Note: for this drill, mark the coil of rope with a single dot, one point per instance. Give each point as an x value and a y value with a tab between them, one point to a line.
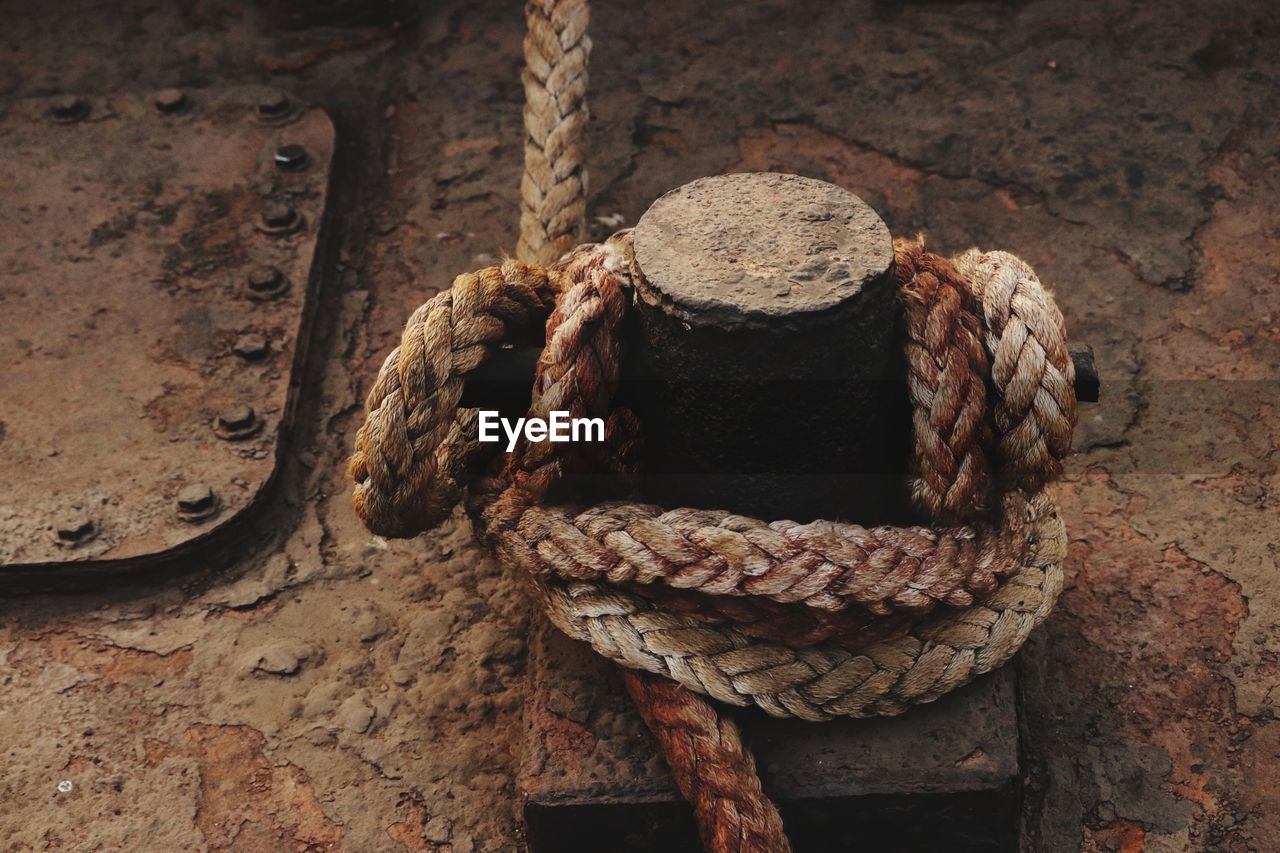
807	620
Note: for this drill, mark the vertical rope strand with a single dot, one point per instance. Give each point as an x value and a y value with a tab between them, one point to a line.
713	770
553	190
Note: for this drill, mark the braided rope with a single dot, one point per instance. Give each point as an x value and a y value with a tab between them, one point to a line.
553	190
416	448
822	681
779	623
713	770
824	565
577	371
947	373
1035	409
811	621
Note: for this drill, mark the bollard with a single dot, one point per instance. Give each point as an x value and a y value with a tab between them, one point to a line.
764	360
766	354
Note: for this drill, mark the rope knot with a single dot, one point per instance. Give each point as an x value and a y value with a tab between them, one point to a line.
808	620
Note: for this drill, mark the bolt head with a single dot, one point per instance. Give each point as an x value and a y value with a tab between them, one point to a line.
237	422
171	101
265	278
251	346
279	217
68	108
196	502
273	103
266	282
291	157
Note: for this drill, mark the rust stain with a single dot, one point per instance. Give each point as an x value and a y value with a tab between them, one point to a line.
408	832
113	664
572	743
1187	779
1123	836
1163	676
247	801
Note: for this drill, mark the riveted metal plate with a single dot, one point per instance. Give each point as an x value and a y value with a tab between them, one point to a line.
150	353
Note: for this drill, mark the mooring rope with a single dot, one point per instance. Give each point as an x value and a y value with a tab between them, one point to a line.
553	190
807	620
971	593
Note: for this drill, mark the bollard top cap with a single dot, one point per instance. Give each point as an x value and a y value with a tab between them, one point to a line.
740	249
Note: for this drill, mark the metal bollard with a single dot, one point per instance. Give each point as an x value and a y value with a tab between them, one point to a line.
764	360
766	356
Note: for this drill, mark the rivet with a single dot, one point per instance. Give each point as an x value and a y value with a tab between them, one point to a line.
237	422
171	101
280	218
250	347
68	108
74	530
273	103
266	282
292	157
196	503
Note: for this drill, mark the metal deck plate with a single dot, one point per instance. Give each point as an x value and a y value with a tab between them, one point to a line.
140	321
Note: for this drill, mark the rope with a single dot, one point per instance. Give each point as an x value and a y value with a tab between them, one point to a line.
812	621
826	680
1027	339
947	371
415	448
713	770
828	566
553	190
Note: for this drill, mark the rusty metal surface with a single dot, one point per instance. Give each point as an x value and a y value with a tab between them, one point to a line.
156	255
1151	700
762	248
592	778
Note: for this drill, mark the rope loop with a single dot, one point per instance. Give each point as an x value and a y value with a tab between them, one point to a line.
810	620
416	449
806	620
705	579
